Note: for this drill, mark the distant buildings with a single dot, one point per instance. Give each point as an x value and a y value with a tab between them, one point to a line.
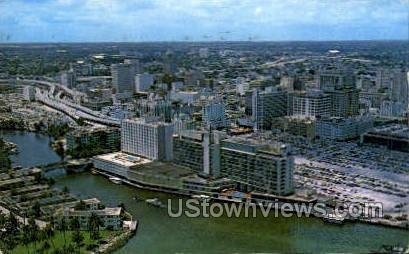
337	128
395	137
68	79
214	115
257	166
185	97
152	140
122	78
268	105
311	104
330	80
143	82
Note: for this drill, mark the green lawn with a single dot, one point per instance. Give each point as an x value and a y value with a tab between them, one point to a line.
58	241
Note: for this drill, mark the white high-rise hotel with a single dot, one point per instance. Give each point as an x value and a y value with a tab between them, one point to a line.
152	140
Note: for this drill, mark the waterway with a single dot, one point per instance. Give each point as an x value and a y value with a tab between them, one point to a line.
158	233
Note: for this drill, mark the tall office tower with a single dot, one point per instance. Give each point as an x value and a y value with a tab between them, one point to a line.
330	80
122	78
68	79
399	91
257	166
81	68
135	65
143	82
383	78
344	102
311	104
214	115
198	150
152	140
267	105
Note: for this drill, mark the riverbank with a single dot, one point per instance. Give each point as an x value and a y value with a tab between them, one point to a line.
158	233
216	197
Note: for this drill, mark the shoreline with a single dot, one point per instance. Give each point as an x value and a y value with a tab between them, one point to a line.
140	185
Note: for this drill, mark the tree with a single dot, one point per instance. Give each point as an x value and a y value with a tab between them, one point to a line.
77	238
94	222
36	209
65	190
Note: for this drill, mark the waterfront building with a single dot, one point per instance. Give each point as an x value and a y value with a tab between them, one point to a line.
110	217
122	78
118	163
268	105
338	128
29	93
198	150
310	104
143	82
214	115
105	139
258	166
150	139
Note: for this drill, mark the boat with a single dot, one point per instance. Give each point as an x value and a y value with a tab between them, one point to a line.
155	202
201	197
115	180
94	172
334	219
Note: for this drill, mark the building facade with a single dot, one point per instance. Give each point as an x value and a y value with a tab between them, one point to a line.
152	140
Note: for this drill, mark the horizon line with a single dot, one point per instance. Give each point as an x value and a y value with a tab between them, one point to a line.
200	41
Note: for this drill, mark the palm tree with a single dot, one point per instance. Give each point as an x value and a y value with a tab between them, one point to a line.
63	227
94	223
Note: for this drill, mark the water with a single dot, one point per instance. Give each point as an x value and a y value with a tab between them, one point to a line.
157	233
33	148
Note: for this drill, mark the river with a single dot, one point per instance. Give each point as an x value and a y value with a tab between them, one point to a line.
158	233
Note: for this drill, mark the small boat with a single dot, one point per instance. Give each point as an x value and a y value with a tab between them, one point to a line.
155	202
94	172
115	180
334	219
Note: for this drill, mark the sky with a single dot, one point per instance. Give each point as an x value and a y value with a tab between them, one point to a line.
201	20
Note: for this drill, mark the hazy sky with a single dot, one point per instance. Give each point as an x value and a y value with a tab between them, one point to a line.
201	20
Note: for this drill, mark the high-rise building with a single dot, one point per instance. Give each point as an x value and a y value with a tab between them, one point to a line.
152	140
122	78
198	150
143	82
330	80
310	104
256	166
68	79
267	105
344	102
214	115
135	65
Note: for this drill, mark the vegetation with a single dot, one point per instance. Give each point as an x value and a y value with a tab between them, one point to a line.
5	162
58	131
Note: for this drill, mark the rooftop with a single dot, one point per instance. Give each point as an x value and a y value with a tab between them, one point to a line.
123	159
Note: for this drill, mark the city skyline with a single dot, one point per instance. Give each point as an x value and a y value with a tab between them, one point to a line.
199	20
